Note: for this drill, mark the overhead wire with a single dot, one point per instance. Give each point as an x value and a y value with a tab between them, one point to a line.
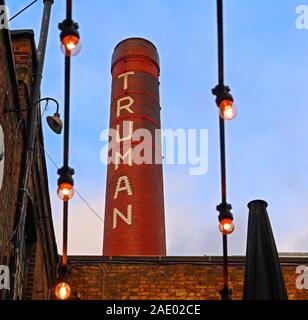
24	9
77	192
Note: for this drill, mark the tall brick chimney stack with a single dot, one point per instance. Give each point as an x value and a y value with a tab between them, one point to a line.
134	212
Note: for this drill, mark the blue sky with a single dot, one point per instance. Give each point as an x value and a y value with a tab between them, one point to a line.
266	67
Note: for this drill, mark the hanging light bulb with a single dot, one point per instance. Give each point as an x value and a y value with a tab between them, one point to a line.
70	39
226	226
65	191
70	45
63	290
227	110
66	183
225	102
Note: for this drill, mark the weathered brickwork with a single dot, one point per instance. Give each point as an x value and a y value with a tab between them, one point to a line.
17	66
179	278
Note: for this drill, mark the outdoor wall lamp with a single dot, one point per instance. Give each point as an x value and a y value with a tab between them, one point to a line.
66	183
54	122
225	102
70	39
226	224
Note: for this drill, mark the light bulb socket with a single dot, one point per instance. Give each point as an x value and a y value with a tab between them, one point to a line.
66	176
222	93
224	210
63	273
69	28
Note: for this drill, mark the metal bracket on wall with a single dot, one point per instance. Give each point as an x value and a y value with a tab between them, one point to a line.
47	99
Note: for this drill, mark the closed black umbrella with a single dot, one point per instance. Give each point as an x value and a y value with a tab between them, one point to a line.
263	276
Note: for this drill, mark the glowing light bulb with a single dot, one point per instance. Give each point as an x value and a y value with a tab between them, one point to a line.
63	290
228	110
65	191
71	45
226	226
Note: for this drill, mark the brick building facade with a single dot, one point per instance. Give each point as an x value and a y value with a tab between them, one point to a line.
36	270
167	278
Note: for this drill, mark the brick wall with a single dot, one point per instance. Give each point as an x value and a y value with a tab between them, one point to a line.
12	129
179	278
17	66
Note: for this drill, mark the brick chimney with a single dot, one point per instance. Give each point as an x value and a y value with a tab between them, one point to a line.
134	211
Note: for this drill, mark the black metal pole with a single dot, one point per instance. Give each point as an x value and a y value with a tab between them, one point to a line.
223	160
65	234
66	138
220	29
67	110
69	10
225	292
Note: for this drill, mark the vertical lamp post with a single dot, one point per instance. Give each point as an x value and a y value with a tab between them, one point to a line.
227	111
70	45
